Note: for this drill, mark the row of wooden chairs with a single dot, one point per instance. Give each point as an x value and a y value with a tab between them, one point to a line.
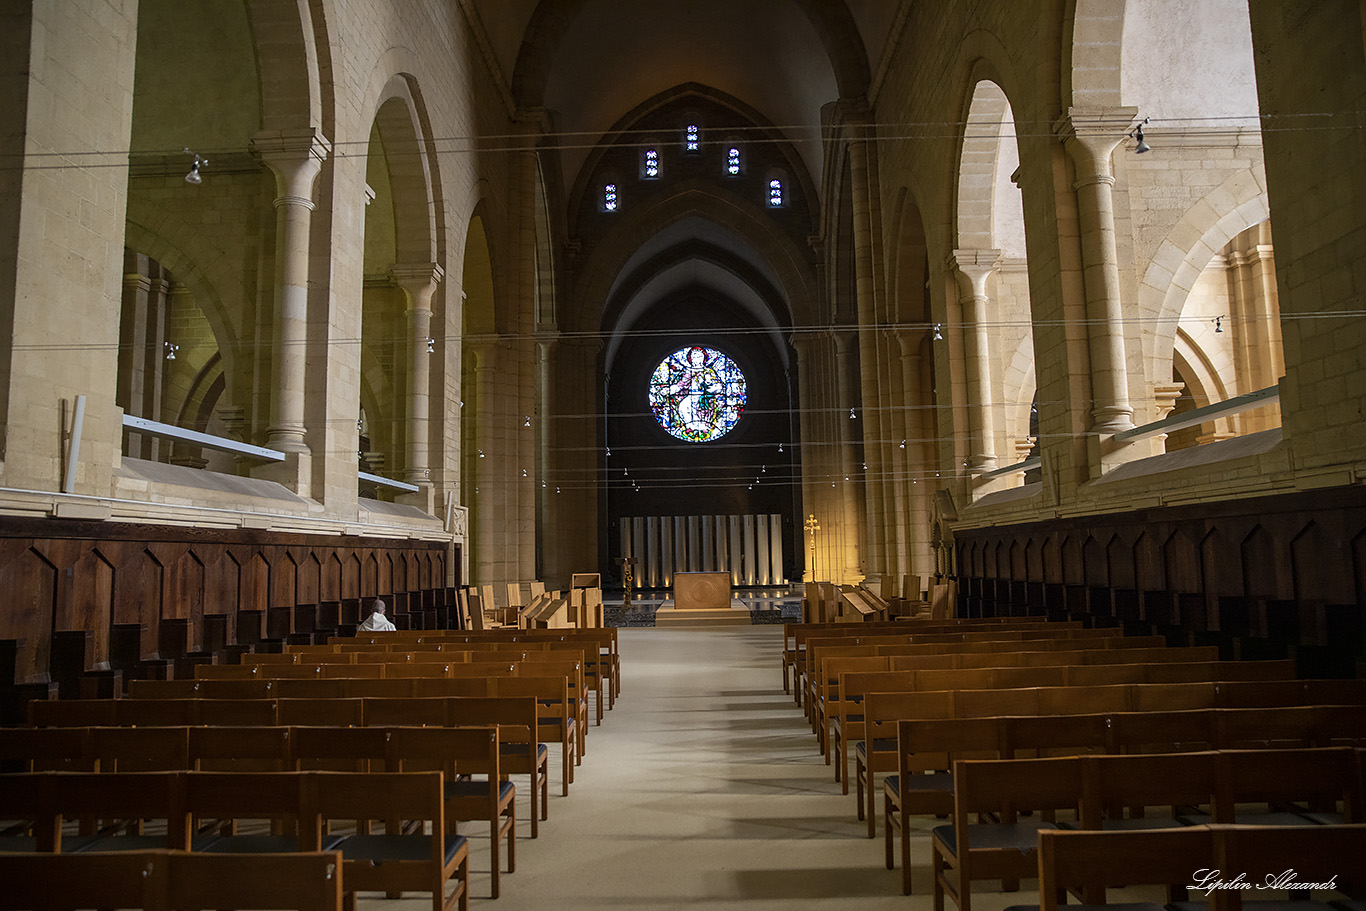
1298	787
470	658
572	703
847	725
927	633
167	880
821	652
458	752
405	857
546	694
308	734
599	642
1183	860
973	659
919	751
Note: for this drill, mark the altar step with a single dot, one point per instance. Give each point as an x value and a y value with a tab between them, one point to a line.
735	615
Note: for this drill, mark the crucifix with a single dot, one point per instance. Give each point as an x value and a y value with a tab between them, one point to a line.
812	528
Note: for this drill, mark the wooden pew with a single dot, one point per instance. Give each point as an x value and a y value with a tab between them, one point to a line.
478	792
394	861
1005	850
1090	862
163	880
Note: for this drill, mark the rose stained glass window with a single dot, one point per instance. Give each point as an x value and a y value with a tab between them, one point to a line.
697	394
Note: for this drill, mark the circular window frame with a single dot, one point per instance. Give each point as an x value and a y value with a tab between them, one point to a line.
734	422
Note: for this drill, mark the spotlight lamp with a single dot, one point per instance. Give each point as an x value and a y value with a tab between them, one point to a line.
193	177
1136	134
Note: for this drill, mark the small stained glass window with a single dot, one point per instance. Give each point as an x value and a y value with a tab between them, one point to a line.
609	197
733	161
649	164
692	138
775	193
697	394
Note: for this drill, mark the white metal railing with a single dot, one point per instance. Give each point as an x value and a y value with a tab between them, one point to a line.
1027	465
223	444
387	482
1246	402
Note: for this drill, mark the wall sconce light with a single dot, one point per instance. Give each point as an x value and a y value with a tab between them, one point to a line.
524	474
780	447
1218	324
557	489
1137	134
526	422
360	425
543	485
193	177
481	453
171	350
431	345
903	444
852	416
938	335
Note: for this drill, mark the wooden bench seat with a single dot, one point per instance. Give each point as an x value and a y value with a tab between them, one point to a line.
165	880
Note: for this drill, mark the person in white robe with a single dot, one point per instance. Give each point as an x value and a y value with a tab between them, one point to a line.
376	622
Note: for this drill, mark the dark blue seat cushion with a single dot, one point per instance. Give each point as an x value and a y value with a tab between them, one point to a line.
1022	836
264	844
521	749
379	848
880	745
477	788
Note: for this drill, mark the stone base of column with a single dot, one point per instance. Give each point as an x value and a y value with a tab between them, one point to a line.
424	498
295	473
1104	453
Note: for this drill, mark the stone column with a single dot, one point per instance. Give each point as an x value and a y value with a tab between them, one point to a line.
865	290
295	157
974	268
894	458
804	343
418	281
918	452
854	561
487	543
1091	135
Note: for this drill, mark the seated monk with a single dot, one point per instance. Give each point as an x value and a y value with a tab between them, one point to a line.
376	622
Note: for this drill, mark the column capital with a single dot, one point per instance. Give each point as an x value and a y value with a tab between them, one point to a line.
1090	135
485	349
418	281
844	337
973	268
804	339
295	157
910	341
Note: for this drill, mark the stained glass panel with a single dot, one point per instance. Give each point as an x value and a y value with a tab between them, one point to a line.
697	394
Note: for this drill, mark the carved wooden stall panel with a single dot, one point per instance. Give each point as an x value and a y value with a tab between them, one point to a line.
1261	577
97	597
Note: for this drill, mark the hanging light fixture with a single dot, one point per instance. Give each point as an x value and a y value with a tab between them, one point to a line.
1137	134
193	177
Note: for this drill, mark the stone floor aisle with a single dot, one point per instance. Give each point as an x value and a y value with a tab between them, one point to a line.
702	789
